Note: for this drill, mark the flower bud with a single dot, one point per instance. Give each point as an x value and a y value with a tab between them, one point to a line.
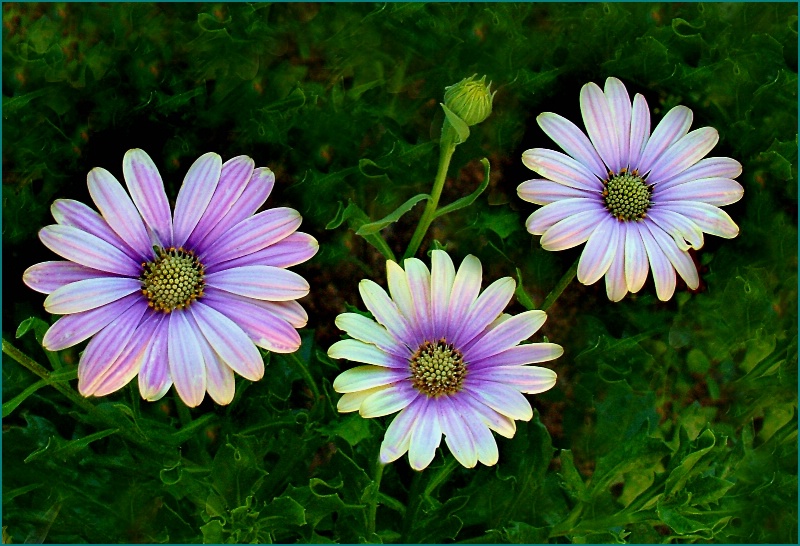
470	99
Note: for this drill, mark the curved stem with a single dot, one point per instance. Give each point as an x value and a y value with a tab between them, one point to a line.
373	504
446	150
559	288
441	476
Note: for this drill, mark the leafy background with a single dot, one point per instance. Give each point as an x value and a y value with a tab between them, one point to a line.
670	422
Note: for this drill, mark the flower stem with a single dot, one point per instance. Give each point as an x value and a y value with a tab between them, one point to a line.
373	504
559	288
441	476
446	149
301	366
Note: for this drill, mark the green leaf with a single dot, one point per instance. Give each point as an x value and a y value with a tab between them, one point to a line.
58	449
469	199
458	125
212	532
522	295
374	227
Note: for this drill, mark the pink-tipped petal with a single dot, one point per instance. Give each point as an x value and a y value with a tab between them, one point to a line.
561	168
87	250
262	282
599	122
186	365
47	277
147	191
573	141
671	129
193	198
70	330
683	154
89	294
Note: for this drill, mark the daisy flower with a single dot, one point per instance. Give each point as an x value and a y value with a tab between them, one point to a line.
179	299
638	200
445	357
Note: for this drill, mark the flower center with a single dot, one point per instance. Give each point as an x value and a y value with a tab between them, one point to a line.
627	196
437	369
173	280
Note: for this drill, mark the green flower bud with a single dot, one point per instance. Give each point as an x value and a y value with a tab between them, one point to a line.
470	99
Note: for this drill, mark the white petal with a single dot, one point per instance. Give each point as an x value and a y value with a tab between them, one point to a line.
443	275
186	365
358	351
425	438
369	331
457	435
367	377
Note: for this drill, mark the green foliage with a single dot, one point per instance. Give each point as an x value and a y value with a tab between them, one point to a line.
670	423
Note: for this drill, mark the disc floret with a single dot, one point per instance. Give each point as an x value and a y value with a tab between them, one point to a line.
627	196
173	280
437	368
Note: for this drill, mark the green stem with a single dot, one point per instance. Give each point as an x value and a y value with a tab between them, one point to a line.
306	375
559	288
441	476
373	505
446	150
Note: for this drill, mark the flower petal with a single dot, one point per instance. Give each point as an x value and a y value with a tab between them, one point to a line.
619	103
543	192
529	379
663	272
561	168
70	330
385	311
86	249
229	341
710	167
549	215
89	294
220	381
401	296
351	401
367	377
683	154
234	176
294	249
572	140
118	210
504	426
671	129
147	191
680	259
571	231
358	351
636	265
398	396
599	251
486	308
485	444
193	198
68	212
443	275
47	277
102	351
251	235
466	286
505	336
154	377
501	398
419	282
186	365
616	287
520	354
599	124
457	434
684	232
397	439
714	191
425	438
709	218
640	130
262	282
369	331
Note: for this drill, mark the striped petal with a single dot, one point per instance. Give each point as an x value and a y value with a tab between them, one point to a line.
616	287
425	438
486	308
543	192
369	331
385	311
684	232
147	191
636	264
154	376
506	335
457	434
713	191
86	249
680	259
640	130
528	379
254	234
186	364
47	277
443	275
572	140
599	251
419	282
663	272
397	439
549	215
561	168
709	218
501	424
710	167
520	354
89	294
351	401
220	381
466	287
485	444
71	329
571	231
358	351
398	396
193	198
599	122
262	282
294	249
68	212
619	104
683	154
367	377
501	398
671	129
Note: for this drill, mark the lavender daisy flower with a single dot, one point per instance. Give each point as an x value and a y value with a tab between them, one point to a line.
445	357
638	200
181	299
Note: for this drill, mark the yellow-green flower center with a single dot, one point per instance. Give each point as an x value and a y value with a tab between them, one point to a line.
437	369
627	196
173	280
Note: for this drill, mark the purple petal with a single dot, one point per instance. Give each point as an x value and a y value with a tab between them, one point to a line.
457	434
294	249
505	336
70	330
709	218
466	287
419	282
193	199
229	341
528	379
671	129
233	179
521	354
636	266
397	397
496	421
714	191
367	377
426	437
102	351
680	259
619	104
255	193
366	330
543	192
289	311
561	168
186	365
443	275
89	294
251	235
573	141
397	439
263	327
486	308
385	311
572	231
154	377
501	398
147	191
599	251
485	445
129	362
640	130
599	124
262	282
684	232
616	288
220	381
710	167
86	249
683	154
47	277
74	213
663	272
549	215
119	211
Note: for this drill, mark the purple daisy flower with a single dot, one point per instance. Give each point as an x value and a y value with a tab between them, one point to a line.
445	357
638	200
181	300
